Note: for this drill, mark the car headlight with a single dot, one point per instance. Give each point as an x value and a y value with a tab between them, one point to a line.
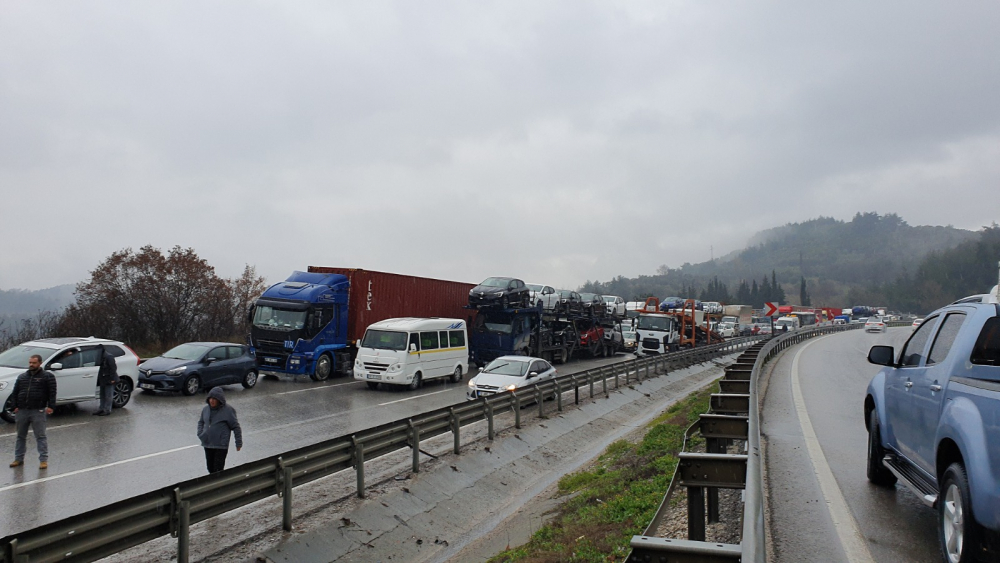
472	384
176	371
511	387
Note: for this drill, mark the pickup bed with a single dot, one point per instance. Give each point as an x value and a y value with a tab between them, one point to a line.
933	418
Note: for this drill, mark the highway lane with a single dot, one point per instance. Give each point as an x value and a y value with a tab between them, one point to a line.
151	443
889	525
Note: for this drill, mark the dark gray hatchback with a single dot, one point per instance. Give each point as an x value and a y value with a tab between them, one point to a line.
199	365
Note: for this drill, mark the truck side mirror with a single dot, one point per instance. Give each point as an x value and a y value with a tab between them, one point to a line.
882	356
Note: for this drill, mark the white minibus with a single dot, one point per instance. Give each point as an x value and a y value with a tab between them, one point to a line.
409	351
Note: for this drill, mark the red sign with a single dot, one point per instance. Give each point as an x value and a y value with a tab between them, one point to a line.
770	309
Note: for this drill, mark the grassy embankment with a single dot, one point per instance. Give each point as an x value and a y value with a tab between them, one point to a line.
616	497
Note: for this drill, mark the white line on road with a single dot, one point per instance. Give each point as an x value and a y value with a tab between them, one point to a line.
411	398
50	428
854	544
89	469
318	388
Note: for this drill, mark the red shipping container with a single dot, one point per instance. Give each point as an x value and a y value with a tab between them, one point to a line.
376	296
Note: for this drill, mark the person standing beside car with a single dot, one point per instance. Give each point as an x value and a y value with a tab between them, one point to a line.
107	378
34	398
217	422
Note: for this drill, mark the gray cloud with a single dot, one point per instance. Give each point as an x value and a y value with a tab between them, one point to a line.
559	141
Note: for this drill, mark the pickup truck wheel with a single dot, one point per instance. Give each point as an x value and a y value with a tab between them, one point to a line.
961	537
8	410
415	384
324	366
878	474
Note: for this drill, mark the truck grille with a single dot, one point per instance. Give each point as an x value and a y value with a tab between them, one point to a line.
651	343
376	367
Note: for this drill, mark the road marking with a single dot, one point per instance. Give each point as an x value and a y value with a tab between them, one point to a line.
854	544
89	469
317	388
50	428
411	398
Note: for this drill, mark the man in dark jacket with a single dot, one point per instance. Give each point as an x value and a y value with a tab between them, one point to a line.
34	398
217	422
107	378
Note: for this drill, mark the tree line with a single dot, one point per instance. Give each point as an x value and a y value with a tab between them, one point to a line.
151	301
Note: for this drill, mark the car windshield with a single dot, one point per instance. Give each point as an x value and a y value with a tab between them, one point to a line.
513	368
18	356
565	293
187	351
534	287
628	334
587	296
609	298
494	282
647	322
278	319
384	340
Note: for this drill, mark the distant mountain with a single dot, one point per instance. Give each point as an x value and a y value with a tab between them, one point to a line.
833	256
23	303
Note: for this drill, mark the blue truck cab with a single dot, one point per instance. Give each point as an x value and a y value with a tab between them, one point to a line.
299	326
933	419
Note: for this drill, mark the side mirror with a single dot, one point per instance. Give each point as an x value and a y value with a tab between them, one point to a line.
532	374
210	360
413	347
882	356
55	367
481	370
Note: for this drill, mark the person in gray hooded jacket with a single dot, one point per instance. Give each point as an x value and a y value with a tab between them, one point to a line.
217	422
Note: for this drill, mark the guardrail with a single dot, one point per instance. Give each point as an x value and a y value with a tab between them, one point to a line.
172	510
716	471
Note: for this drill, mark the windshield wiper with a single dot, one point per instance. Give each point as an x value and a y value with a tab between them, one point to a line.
491	370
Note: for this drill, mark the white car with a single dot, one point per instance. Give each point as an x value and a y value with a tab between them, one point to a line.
615	304
916	323
726	330
875	324
711	307
508	373
542	295
74	362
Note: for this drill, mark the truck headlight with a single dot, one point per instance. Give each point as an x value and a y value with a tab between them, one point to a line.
357	363
395	367
176	371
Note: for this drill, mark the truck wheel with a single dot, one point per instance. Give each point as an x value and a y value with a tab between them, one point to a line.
961	537
8	410
324	366
457	376
878	474
415	384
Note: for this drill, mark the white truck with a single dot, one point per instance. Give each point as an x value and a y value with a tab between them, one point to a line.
656	333
741	316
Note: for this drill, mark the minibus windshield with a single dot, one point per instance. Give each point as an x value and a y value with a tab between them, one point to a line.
384	340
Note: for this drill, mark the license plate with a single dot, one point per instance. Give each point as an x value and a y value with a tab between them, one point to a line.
147	386
374	376
484	393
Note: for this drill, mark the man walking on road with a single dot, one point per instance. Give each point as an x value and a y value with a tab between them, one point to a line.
217	422
34	398
107	378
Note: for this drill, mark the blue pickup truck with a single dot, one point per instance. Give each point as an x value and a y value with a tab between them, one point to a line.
933	418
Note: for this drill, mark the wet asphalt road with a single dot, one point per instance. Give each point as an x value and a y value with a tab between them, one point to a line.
894	526
151	443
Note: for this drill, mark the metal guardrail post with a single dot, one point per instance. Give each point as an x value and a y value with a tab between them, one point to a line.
286	502
538	399
559	406
712	446
616	377
184	532
590	380
415	439
604	383
696	513
647	370
489	419
517	409
576	389
359	465
455	430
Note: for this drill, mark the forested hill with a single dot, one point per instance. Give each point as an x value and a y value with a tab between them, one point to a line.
833	256
22	303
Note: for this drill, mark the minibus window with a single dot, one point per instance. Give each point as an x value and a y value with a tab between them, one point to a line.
457	338
428	341
415	341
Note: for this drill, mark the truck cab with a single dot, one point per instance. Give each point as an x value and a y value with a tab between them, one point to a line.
656	333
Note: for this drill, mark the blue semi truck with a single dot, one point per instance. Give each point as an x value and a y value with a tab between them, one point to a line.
310	323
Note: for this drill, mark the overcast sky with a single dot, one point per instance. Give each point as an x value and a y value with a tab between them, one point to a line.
558	142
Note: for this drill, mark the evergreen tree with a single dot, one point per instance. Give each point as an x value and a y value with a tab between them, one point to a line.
755	299
777	293
803	294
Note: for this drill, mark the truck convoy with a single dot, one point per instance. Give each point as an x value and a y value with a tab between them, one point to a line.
310	324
